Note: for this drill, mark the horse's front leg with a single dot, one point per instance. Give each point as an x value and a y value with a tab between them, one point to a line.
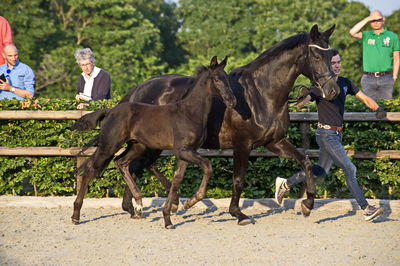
167	185
240	162
287	150
122	163
136	169
176	183
192	156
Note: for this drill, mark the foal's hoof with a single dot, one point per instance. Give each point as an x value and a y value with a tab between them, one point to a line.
305	210
244	221
75	221
174	208
171	226
135	216
186	205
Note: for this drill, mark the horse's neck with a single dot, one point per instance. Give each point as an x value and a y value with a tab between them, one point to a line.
198	100
280	73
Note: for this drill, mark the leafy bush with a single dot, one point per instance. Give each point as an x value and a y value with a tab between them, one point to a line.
52	175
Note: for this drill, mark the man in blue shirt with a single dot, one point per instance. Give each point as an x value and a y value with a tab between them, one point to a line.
20	79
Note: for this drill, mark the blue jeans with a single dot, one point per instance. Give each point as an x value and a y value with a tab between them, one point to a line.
332	151
378	87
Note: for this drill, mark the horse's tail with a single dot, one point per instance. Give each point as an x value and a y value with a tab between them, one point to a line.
93	142
90	121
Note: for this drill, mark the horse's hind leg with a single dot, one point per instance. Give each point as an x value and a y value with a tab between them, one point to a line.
122	162
136	169
286	149
176	182
79	199
92	168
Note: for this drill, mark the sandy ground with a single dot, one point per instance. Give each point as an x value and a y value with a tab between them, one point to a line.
334	234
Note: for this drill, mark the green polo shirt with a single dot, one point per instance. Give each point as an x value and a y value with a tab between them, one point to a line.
378	50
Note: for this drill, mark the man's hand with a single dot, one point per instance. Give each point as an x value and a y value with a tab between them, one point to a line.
374	16
5	85
380	113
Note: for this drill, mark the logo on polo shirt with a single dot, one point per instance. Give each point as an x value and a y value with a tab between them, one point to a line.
371	41
386	41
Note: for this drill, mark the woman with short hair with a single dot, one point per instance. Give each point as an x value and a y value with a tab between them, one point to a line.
94	83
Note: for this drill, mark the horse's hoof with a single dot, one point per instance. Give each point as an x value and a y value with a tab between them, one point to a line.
171	226
186	205
244	221
305	210
174	208
137	216
75	221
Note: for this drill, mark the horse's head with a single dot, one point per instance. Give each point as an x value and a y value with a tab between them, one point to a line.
318	63
220	81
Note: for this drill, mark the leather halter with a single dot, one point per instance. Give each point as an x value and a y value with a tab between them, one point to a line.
316	77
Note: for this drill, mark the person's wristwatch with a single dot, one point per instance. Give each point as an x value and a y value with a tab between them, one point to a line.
12	89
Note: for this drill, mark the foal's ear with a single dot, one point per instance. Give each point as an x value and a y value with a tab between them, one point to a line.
314	33
223	62
214	62
329	31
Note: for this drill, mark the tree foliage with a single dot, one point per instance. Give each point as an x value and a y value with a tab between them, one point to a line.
136	39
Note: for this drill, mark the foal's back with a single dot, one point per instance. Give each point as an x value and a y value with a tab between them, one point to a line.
152	125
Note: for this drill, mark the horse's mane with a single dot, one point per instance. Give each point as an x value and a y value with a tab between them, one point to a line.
199	70
197	74
277	49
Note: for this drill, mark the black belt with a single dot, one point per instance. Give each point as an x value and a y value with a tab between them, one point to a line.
378	74
339	129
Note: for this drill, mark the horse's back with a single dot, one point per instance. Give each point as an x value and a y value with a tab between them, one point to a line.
160	90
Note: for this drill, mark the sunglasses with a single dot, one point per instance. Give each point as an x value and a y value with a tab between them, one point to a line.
377	20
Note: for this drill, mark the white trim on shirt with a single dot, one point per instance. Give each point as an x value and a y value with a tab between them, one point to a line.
87	91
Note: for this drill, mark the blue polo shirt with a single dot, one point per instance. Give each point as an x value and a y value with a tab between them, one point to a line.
20	76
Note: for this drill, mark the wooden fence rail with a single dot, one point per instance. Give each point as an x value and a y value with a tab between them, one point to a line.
295	116
305	118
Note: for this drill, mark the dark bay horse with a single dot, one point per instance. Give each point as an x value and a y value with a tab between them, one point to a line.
261	116
179	126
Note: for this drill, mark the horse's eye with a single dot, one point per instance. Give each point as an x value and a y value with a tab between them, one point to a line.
317	57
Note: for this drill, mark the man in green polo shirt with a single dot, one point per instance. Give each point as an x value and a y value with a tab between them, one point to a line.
380	56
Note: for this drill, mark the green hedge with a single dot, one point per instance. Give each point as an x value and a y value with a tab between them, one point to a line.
51	175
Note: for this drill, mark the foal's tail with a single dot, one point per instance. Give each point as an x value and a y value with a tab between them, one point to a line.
93	142
90	121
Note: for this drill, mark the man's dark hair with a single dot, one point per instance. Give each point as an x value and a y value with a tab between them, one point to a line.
334	52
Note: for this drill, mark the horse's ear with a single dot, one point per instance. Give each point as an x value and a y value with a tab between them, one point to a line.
329	31
314	33
214	62
223	62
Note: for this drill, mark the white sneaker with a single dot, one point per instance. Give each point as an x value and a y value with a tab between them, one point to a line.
280	189
371	212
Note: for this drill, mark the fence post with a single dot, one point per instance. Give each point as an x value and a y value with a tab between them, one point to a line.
304	130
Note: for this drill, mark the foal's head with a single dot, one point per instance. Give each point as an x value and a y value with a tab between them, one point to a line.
220	81
318	63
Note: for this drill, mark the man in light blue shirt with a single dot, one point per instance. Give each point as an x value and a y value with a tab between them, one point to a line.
20	79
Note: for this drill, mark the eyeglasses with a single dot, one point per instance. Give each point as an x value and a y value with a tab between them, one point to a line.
377	20
85	65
